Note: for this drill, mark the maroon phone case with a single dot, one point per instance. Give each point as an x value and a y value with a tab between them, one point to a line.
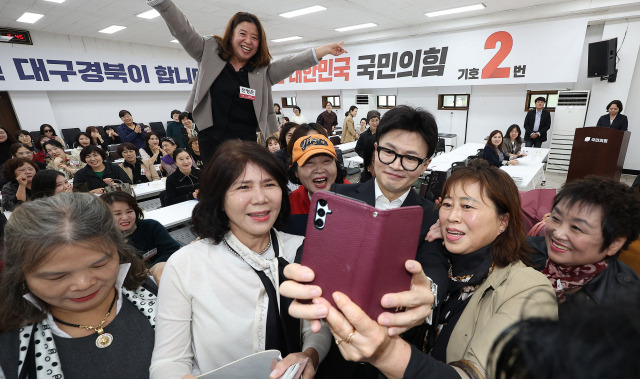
360	250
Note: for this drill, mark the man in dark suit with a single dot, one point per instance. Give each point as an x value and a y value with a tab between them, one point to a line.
537	123
405	141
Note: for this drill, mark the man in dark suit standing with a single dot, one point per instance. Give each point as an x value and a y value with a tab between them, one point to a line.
536	124
405	141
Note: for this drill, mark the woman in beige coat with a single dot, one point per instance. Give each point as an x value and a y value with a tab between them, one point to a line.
348	128
138	170
490	288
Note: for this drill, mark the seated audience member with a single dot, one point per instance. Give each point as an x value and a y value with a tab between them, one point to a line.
138	170
73	290
24	137
193	147
82	140
285	136
373	118
315	168
19	172
481	222
6	141
614	119
40	153
368	151
97	173
47	183
152	149
112	136
363	125
183	184
96	138
592	221
512	146
493	151
47	130
190	129
589	343
272	143
167	163
60	160
174	127
130	131
149	237
20	150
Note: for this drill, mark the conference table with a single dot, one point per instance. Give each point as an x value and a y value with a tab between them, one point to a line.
172	215
150	189
348	147
526	174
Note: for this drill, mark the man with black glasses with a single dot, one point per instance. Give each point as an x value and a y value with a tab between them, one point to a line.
405	141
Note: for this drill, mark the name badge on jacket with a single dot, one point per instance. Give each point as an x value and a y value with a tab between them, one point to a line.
149	254
247	93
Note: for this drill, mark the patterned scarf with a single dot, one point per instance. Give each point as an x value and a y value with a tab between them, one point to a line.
571	278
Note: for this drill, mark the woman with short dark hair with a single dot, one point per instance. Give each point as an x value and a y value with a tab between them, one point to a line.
149	237
193	147
592	221
183	184
614	119
189	130
19	172
24	137
20	150
138	170
6	140
47	183
112	136
130	131
97	173
40	153
73	289
152	150
96	138
174	127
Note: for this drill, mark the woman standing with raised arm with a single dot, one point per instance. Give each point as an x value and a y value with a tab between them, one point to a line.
237	71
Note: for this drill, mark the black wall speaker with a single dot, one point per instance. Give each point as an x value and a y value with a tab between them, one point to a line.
602	58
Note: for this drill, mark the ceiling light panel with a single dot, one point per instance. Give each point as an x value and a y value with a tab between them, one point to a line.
470	8
303	11
112	29
354	27
30	18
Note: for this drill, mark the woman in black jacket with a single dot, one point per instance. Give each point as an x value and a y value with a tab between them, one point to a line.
183	184
592	221
493	151
97	174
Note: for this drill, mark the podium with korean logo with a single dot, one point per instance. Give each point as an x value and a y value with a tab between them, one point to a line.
598	151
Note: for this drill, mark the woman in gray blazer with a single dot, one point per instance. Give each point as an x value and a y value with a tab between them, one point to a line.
237	71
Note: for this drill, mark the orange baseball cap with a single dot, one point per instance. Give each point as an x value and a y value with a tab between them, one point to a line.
307	147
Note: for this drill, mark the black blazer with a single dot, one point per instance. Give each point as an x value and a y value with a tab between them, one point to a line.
545	124
491	155
430	254
86	180
619	123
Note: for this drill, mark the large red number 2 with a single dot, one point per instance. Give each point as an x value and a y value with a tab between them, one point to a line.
491	70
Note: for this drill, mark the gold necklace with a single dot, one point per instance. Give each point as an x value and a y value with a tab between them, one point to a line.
104	339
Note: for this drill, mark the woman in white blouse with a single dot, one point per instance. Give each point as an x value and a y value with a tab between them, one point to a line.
219	298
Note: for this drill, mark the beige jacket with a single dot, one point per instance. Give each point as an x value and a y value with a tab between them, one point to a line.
205	51
348	130
149	171
509	294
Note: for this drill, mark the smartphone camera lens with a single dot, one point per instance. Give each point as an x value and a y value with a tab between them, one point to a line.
319	223
321	212
322	202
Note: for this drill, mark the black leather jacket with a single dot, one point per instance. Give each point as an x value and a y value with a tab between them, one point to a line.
617	285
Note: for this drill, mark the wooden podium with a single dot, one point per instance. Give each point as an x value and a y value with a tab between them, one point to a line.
598	151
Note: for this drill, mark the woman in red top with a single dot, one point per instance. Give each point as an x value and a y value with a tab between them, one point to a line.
315	167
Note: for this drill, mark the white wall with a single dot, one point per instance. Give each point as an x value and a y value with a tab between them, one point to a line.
79	109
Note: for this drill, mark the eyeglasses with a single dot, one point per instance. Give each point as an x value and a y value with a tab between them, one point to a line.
408	162
48	130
